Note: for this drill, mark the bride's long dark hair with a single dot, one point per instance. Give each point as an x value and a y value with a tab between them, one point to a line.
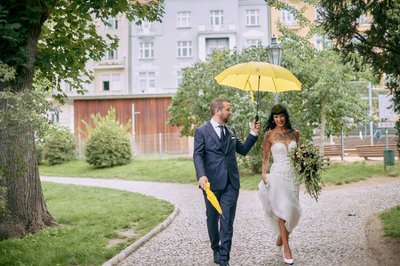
278	109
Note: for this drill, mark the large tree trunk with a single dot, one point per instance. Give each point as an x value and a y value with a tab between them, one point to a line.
26	211
323	126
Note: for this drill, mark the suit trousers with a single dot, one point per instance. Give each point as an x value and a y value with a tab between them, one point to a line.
221	235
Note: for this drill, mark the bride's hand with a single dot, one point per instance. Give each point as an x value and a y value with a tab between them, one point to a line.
264	179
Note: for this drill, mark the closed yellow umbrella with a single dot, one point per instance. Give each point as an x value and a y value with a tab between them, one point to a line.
213	199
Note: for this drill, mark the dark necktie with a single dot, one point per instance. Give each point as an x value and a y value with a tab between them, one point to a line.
223	133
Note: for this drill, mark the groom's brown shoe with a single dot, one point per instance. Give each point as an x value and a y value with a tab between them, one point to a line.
216	257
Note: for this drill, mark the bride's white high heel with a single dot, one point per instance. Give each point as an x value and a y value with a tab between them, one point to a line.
287	261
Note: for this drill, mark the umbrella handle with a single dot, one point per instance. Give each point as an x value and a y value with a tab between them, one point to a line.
256	118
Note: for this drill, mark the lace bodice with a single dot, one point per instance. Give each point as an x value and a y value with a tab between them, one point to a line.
280	151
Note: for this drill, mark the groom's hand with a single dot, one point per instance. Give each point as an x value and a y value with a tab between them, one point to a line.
256	126
202	182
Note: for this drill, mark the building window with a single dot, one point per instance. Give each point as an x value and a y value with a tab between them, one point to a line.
111	55
253	42
106	85
111	23
217	17
287	17
147	80
322	42
179	77
183	19
116	82
146	25
54	117
216	43
252	17
146	50
111	82
321	12
67	86
185	49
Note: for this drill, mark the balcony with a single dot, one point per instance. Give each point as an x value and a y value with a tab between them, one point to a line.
110	64
290	24
203	28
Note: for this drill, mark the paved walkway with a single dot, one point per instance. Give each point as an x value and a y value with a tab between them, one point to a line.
330	232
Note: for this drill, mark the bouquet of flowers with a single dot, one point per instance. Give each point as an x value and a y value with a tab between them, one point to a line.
307	163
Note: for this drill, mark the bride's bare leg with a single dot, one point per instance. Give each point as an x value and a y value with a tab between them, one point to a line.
279	241
285	239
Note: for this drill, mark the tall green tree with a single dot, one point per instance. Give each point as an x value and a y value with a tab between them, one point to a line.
328	95
51	40
325	97
378	46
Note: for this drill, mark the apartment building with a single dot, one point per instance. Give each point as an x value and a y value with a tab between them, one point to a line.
140	77
189	32
287	19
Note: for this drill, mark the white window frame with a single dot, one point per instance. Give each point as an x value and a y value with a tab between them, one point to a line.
253	42
105	78
252	17
287	17
184	49
146	80
179	77
183	19
114	82
217	18
146	50
111	54
111	23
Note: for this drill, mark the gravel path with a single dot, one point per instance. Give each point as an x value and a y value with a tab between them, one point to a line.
330	232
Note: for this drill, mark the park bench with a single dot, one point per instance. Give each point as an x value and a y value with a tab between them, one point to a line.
332	150
375	150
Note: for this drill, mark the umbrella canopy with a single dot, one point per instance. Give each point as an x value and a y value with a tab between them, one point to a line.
258	76
213	199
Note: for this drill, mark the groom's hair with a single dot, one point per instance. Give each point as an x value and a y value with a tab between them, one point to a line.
216	105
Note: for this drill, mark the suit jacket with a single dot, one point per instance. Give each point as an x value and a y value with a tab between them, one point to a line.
218	161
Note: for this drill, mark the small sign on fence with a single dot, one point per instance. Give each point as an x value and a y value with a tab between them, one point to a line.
386	124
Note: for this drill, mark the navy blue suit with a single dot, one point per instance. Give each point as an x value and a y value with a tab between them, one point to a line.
217	161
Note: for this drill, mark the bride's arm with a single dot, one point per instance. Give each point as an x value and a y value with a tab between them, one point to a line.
266	154
296	135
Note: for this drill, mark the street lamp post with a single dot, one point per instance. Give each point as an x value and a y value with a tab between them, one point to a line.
274	56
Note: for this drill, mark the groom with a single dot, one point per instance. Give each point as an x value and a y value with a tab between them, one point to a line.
214	156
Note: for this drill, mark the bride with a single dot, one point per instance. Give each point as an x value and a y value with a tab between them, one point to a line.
279	190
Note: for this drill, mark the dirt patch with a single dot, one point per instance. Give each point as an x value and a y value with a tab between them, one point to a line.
123	236
367	182
384	249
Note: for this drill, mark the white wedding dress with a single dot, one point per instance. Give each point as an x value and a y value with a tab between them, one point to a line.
280	197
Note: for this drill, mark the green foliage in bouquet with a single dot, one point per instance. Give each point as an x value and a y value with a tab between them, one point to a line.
58	146
108	143
307	164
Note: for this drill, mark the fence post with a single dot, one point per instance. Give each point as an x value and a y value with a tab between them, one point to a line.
160	144
79	145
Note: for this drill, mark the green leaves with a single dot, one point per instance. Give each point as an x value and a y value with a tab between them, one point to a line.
58	146
108	143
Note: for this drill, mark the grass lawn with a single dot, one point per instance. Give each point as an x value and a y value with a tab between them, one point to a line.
89	218
177	170
338	173
181	170
391	222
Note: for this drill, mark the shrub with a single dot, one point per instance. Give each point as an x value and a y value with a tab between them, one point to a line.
108	143
58	145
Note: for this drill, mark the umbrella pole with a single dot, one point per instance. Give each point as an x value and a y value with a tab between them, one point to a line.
258	99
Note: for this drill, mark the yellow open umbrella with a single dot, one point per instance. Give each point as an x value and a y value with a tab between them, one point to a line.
213	199
258	76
